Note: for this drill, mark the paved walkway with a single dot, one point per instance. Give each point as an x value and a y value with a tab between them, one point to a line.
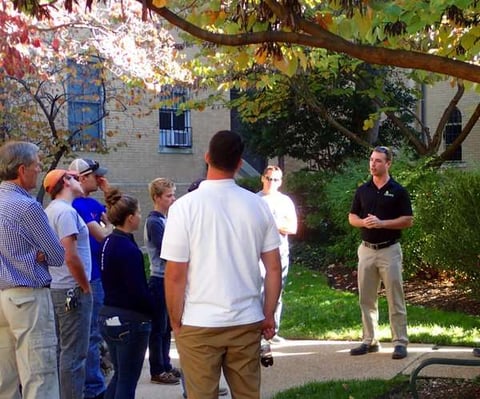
299	362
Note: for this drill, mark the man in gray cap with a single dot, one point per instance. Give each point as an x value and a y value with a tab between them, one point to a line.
92	177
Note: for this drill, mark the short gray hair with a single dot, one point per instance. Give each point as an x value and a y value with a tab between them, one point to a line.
13	154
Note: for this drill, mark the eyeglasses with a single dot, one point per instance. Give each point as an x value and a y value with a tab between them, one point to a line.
275	179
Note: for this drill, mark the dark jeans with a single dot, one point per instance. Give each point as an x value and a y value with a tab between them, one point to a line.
160	337
94	380
127	344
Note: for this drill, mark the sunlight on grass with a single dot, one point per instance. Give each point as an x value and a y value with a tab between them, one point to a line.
358	389
313	310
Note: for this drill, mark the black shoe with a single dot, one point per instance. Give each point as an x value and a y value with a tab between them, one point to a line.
363	349
476	352
399	352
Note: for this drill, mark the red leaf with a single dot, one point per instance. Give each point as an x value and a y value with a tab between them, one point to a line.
55	44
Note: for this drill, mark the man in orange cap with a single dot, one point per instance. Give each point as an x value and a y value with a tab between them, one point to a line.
70	287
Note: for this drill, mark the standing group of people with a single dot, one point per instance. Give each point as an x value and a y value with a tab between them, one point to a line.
73	274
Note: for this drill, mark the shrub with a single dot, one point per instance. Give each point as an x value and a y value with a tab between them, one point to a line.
448	214
307	191
252	184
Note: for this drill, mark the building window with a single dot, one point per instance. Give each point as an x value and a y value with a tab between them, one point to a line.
453	128
174	124
86	98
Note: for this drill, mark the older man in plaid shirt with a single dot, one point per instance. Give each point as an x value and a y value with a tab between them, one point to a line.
28	246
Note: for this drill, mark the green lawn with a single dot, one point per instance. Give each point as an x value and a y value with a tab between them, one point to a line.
312	310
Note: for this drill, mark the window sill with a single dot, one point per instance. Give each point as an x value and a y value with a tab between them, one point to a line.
175	150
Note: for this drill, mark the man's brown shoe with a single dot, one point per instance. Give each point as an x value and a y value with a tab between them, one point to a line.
363	349
165	378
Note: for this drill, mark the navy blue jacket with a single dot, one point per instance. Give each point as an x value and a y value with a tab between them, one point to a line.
123	274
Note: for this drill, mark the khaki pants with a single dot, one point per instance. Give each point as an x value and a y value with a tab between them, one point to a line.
204	352
28	344
375	266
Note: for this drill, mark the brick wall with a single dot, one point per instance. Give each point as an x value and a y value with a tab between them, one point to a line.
437	99
132	166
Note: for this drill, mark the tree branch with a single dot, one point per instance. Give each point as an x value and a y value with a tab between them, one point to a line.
437	137
315	36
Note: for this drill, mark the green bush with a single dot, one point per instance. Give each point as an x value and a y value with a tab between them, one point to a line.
253	184
448	213
339	193
306	188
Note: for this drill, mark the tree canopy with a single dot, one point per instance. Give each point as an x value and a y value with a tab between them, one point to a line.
40	61
440	36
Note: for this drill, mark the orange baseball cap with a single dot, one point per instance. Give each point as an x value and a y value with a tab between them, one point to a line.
54	176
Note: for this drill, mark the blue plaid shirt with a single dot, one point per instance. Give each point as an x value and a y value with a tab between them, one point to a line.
24	232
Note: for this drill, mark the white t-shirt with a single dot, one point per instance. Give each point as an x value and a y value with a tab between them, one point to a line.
284	213
65	221
220	229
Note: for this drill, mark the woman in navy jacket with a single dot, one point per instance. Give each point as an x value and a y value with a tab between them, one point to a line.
125	318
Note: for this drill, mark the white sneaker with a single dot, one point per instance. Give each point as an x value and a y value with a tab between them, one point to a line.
277	339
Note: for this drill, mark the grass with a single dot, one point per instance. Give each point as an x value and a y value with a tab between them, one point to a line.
361	389
313	310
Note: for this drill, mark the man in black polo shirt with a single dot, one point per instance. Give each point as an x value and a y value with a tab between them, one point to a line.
381	209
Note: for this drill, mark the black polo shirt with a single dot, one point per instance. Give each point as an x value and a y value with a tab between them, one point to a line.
389	202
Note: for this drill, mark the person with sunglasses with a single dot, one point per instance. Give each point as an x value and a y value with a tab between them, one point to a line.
285	215
381	209
70	286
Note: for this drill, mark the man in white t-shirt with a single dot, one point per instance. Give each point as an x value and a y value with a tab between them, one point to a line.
285	215
70	286
213	241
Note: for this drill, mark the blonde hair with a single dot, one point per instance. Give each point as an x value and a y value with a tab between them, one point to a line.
158	186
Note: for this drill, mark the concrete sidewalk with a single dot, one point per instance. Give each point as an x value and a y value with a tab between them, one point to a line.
299	362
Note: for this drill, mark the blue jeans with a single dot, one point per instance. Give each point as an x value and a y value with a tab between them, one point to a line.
127	344
94	379
160	337
73	330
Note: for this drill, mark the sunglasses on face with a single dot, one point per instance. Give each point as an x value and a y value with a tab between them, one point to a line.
275	179
69	177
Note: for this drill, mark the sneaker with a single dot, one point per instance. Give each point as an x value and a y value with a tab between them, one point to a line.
277	339
176	372
165	378
476	352
399	352
363	349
